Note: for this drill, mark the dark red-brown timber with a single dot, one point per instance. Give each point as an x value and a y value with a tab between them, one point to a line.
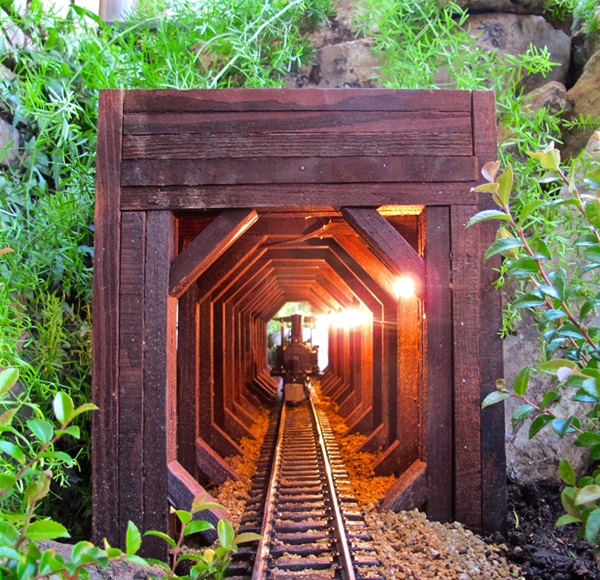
214	209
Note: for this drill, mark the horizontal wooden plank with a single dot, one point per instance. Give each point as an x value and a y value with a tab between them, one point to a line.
315	196
295	99
297	170
409	491
233	146
244	122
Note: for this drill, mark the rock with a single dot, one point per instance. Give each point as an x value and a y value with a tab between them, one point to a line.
513	33
583	47
585	97
9	143
510	6
552	95
535	460
116	571
348	64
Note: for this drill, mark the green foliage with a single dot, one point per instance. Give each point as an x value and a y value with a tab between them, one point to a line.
212	563
49	92
28	456
561	290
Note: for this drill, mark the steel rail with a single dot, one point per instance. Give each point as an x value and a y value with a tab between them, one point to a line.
339	528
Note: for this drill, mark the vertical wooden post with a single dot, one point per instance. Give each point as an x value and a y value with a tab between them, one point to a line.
160	377
105	343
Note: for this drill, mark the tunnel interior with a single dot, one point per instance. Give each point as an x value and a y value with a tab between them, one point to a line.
374	338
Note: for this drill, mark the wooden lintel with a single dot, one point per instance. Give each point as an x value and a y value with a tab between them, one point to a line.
375	440
387	462
207	246
409	491
182	489
386	243
212	465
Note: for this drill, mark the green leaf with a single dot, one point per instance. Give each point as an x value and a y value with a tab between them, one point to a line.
566	472
523	267
567	519
46	530
551	315
587	495
42	429
63	407
490	214
137	560
86	406
595	453
505	181
520	414
133	539
549	397
587	439
72	430
184	516
592	212
550	159
562	426
226	533
528	208
551	291
522	381
7	480
502	245
12	450
528	301
201	503
592	253
8	379
552	366
7	417
485	188
592	527
196	526
9	536
246	537
493	398
538	424
162	535
591	387
567	498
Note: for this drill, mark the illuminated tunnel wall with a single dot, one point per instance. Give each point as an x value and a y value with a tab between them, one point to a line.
214	209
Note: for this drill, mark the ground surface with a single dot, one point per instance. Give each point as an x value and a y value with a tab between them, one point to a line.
542	551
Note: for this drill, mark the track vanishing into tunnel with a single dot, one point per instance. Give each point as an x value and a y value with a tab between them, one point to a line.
302	504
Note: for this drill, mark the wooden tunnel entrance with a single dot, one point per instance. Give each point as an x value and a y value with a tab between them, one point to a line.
215	208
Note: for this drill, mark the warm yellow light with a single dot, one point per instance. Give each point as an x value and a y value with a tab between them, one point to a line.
404	287
350	318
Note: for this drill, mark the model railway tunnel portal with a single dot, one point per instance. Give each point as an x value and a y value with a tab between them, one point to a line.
216	208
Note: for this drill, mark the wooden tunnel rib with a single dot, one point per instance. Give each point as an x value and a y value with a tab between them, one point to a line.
215	208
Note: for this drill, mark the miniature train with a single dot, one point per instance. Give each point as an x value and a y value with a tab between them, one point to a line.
296	360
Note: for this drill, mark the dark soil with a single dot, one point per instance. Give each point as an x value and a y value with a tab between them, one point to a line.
542	551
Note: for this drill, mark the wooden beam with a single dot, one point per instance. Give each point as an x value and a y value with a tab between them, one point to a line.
105	330
212	465
207	246
183	489
386	243
409	491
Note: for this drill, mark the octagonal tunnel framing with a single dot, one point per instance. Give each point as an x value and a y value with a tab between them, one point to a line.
186	280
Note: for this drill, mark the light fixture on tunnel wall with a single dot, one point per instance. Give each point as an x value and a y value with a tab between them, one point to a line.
404	287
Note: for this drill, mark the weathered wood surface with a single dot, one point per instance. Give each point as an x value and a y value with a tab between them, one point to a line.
306	195
155	101
213	465
105	330
207	247
409	491
274	170
439	365
493	456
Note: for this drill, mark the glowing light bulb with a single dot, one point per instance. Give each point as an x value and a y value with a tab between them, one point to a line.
404	287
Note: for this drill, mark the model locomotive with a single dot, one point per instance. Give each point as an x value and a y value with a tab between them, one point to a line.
295	359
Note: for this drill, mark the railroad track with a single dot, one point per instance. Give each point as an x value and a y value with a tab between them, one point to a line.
303	505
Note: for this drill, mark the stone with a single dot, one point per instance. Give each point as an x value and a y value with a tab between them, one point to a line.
583	47
552	95
348	64
513	33
535	460
508	6
9	143
585	97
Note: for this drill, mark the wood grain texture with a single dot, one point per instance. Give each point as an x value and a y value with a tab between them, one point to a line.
440	392
182	490
409	491
386	243
492	421
274	170
131	368
466	311
160	376
154	101
212	465
419	141
289	195
208	246
105	330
